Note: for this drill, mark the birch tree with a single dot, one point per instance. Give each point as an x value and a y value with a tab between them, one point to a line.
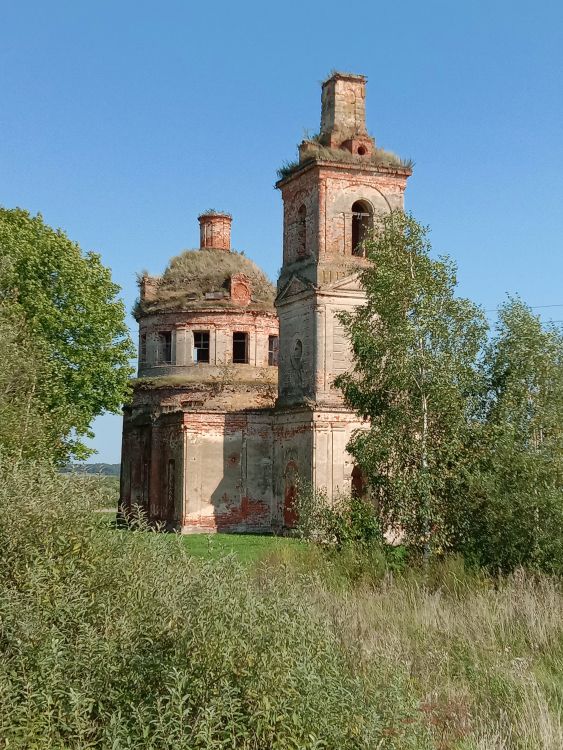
415	378
515	511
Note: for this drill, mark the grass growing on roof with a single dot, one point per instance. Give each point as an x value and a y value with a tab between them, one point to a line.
318	152
194	273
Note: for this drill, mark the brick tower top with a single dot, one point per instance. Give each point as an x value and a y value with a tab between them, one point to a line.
215	230
332	198
343	112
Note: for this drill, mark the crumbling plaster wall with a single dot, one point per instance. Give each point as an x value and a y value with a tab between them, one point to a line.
228	472
293	459
332	352
297	350
152	467
297	194
201	471
310	448
383	193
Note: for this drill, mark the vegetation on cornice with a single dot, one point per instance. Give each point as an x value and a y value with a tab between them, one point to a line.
215	212
226	375
318	152
343	73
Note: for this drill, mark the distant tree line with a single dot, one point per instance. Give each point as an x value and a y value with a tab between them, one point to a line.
107	470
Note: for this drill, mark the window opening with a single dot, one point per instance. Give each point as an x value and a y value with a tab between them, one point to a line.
361	226
201	346
359	484
165	348
302	231
240	348
273	351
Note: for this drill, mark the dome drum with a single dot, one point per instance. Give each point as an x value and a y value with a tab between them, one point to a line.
177	343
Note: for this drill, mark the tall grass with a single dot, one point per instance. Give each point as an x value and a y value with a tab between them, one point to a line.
482	656
122	640
115	639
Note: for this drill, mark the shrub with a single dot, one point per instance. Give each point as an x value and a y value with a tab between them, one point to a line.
345	520
120	639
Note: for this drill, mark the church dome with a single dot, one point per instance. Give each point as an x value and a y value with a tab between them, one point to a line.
210	277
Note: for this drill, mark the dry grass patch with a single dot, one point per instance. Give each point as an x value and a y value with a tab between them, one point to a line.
194	273
484	657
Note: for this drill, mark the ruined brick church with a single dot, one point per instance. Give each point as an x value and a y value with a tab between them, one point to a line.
234	397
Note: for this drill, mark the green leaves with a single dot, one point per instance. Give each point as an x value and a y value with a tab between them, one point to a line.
68	302
515	509
415	347
465	448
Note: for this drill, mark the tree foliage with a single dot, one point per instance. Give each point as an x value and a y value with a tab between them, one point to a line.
415	346
515	511
73	319
464	449
28	429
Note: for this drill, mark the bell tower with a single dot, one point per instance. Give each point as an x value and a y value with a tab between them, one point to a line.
331	198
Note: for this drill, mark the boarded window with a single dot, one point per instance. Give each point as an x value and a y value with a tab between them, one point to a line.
171	488
143	348
302	231
362	222
165	347
273	351
201	346
240	348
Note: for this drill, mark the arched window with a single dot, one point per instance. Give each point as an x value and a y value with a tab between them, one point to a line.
359	486
362	222
302	231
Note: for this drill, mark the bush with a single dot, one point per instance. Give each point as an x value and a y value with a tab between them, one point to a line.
346	519
115	639
120	639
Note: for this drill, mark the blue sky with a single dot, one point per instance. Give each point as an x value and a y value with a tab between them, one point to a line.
121	121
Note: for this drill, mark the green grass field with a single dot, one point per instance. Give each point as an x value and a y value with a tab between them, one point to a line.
248	548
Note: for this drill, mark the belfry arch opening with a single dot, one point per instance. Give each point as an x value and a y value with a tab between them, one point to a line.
302	231
362	223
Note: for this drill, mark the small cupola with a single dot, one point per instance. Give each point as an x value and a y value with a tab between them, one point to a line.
215	230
